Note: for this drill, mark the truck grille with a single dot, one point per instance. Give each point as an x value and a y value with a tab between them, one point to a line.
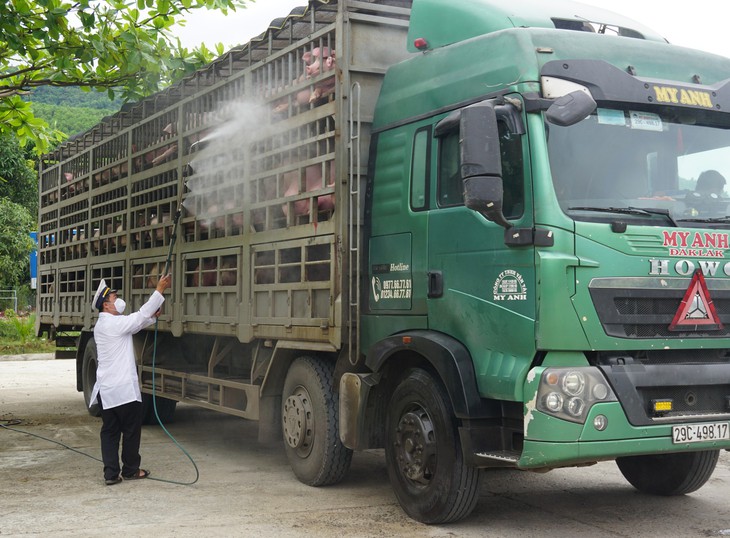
695	380
659	357
645	307
689	401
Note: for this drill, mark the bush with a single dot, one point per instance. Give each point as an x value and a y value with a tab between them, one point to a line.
18	328
26	298
24	328
7	330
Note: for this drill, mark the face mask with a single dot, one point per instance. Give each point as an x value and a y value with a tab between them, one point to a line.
120	305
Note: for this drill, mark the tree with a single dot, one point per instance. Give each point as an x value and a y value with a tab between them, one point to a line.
15	243
18	178
123	47
70	120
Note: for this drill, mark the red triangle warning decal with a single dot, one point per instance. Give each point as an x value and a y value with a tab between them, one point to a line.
696	309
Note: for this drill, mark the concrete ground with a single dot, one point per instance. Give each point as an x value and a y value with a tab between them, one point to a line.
247	489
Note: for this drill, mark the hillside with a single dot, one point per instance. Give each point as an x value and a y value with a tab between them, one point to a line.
71	110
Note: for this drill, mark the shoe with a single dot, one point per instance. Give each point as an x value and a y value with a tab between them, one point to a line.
142	473
113	481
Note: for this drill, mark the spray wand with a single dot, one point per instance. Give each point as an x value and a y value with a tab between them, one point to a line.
173	238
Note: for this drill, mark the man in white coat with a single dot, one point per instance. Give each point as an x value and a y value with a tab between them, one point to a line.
117	385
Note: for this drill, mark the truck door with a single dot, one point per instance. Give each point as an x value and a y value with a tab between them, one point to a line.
480	290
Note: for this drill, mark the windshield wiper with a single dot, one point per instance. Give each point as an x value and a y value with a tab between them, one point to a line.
644	211
726	218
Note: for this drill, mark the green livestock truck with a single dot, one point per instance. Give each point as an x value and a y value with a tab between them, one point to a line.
472	233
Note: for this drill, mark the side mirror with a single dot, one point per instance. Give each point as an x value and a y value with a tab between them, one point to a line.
481	161
571	108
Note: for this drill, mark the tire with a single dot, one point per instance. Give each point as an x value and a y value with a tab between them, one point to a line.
669	474
165	409
88	377
423	453
310	423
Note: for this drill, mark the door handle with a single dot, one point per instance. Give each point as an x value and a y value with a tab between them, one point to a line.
435	284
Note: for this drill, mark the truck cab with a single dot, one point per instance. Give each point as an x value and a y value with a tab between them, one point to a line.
547	225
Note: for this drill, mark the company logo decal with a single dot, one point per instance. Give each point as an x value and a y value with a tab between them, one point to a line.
683	96
697	244
696	309
693	244
688	267
509	286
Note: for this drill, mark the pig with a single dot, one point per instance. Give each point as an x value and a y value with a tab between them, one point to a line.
105	177
313	182
159	233
236	218
140	238
164	154
210	272
189	231
209	221
192	277
291	180
137	279
154	270
320	60
68	176
121	241
75	250
228	271
83	250
95	243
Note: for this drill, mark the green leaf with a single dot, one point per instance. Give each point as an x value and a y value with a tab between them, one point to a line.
122	44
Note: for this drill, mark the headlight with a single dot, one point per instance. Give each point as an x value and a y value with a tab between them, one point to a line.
569	393
575	407
554	401
574	382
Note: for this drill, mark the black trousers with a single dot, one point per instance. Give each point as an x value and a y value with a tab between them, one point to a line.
123	422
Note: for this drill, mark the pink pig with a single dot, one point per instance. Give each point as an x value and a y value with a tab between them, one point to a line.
320	60
313	182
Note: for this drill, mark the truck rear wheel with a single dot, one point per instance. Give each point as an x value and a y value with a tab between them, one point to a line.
310	423
88	377
423	453
669	474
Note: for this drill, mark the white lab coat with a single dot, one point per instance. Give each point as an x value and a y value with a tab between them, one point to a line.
116	372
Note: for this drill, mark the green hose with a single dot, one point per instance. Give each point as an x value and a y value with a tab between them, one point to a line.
173	237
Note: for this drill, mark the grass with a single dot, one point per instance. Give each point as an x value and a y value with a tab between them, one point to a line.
17	335
37	345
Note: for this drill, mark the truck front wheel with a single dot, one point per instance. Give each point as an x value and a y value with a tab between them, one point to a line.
310	423
669	474
88	377
423	453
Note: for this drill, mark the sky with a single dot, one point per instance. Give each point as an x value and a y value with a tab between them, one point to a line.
700	26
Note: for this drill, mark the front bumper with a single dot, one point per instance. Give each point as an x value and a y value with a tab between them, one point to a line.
551	442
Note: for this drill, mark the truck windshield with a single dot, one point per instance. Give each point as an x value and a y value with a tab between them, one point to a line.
660	169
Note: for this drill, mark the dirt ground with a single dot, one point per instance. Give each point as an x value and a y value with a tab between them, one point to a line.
247	489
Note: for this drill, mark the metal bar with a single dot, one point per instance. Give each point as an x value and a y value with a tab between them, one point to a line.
354	225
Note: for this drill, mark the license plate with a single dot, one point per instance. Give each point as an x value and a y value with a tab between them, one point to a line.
697	433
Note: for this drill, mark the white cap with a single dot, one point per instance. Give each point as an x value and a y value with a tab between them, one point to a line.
101	293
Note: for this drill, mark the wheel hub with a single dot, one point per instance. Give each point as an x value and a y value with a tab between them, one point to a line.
416	447
298	421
